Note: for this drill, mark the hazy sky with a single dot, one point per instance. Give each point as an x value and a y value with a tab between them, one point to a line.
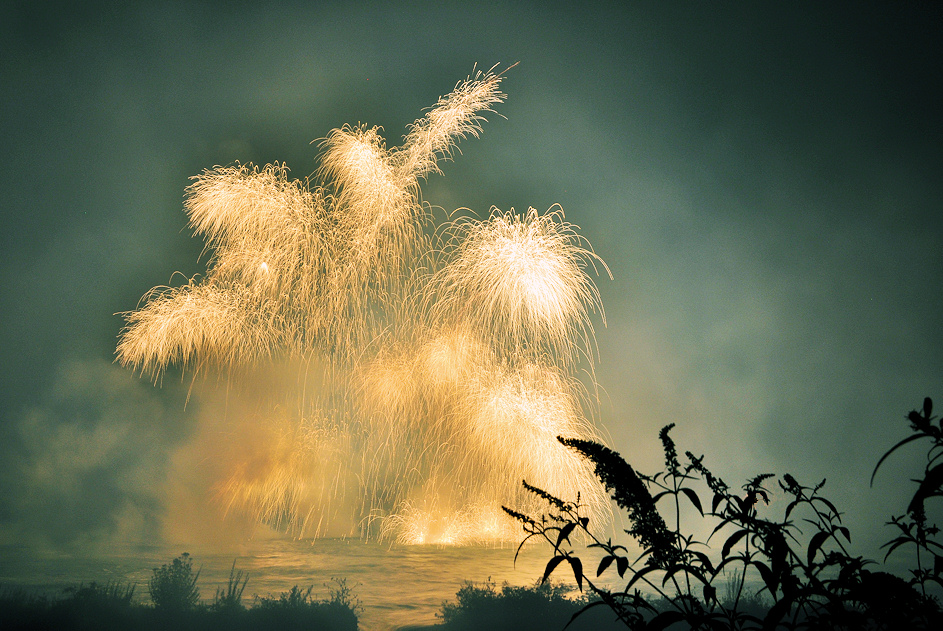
765	185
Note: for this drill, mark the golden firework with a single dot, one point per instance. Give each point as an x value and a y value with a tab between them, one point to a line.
434	369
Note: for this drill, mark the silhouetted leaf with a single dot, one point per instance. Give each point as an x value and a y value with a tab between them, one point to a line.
909	439
565	533
694	499
577	566
844	530
718	527
639	575
704	559
937	564
710	594
718	498
778	550
927	407
551	566
893	544
696	573
739	558
584	521
604	563
671	571
732	541
831	506
817	540
622	564
768	577
929	486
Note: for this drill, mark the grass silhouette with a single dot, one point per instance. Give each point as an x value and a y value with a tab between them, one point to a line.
230	599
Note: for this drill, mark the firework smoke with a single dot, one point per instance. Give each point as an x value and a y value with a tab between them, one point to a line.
421	377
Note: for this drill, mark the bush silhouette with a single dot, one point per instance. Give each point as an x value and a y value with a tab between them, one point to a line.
511	608
296	609
809	579
173	587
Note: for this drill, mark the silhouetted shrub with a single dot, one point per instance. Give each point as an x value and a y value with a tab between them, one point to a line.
173	587
295	609
95	607
809	579
537	608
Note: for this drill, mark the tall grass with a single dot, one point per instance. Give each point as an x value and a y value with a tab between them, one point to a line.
230	599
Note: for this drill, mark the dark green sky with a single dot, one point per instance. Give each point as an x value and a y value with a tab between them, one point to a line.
764	183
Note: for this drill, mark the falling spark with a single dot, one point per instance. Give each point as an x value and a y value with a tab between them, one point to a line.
435	368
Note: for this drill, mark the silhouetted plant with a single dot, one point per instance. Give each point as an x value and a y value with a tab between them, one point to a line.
112	593
99	607
230	599
534	608
173	586
342	595
913	526
809	578
295	609
295	598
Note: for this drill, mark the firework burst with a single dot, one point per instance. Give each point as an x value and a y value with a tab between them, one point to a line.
433	369
521	282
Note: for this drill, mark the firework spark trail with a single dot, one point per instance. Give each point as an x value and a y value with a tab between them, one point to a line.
433	372
454	117
199	324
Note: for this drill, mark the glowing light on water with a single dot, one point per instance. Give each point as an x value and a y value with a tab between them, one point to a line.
432	370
